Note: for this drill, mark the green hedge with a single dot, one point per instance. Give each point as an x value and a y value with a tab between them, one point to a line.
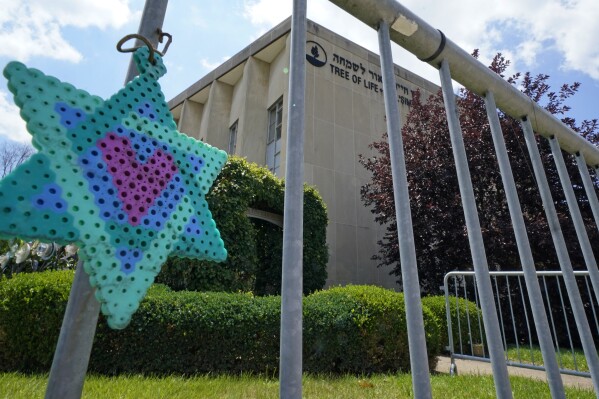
360	329
253	246
354	329
463	308
32	306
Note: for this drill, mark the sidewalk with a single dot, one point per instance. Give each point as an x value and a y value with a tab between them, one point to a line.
474	367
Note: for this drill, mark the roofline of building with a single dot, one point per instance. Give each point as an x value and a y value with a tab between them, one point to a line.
263	41
271	36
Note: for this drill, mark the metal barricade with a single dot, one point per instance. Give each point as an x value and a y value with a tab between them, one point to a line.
520	341
396	23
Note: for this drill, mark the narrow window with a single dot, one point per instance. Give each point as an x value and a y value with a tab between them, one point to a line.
233	137
273	141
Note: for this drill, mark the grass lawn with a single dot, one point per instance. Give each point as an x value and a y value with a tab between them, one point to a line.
16	386
565	358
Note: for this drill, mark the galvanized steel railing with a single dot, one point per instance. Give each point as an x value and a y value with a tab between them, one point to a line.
517	328
395	22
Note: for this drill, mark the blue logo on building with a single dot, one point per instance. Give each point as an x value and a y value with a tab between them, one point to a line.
315	54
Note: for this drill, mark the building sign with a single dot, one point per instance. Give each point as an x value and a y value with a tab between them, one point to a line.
315	54
345	68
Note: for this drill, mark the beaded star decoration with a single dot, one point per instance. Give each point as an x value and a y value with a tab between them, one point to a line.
115	177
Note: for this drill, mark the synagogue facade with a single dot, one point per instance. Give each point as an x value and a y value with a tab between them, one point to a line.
241	107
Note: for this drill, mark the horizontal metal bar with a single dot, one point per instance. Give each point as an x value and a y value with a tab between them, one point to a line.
507	273
520	365
428	43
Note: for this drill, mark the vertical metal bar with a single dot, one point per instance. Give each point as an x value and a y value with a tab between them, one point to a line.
480	325
581	232
509	297
409	269
592	302
468	314
457	309
152	19
290	374
561	298
475	237
71	358
449	324
589	187
499	307
532	357
582	323
555	337
74	347
524	251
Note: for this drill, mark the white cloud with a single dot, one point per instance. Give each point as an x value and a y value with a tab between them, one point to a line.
12	127
31	28
266	12
522	28
210	65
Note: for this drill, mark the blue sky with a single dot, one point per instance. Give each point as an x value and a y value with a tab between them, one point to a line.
75	40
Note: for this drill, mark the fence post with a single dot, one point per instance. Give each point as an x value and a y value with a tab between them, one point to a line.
581	232
582	323
409	269
496	351
152	19
290	375
528	267
589	187
74	346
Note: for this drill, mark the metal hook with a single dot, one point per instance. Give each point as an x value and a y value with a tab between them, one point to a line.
161	36
151	58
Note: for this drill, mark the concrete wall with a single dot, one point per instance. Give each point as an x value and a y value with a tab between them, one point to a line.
254	119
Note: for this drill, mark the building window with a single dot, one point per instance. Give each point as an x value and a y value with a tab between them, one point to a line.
233	137
273	142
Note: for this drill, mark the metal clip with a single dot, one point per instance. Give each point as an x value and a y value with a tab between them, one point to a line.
161	36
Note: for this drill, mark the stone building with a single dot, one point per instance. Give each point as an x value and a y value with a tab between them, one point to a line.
241	107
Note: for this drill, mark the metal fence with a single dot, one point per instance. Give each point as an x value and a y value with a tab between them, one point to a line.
465	329
398	24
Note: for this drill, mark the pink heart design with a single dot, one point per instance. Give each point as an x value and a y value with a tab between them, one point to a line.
138	184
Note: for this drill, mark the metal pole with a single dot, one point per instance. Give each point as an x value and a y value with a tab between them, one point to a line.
528	266
290	374
71	357
76	338
452	367
581	232
152	19
589	187
582	323
407	252
496	352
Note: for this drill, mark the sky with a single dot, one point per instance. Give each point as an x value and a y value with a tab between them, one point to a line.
75	40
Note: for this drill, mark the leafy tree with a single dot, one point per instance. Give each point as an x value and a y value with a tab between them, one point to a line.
438	220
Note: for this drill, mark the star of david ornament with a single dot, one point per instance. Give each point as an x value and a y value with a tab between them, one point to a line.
115	177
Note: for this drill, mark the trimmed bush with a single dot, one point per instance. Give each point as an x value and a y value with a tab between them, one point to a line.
464	308
360	329
254	246
354	329
32	306
193	332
